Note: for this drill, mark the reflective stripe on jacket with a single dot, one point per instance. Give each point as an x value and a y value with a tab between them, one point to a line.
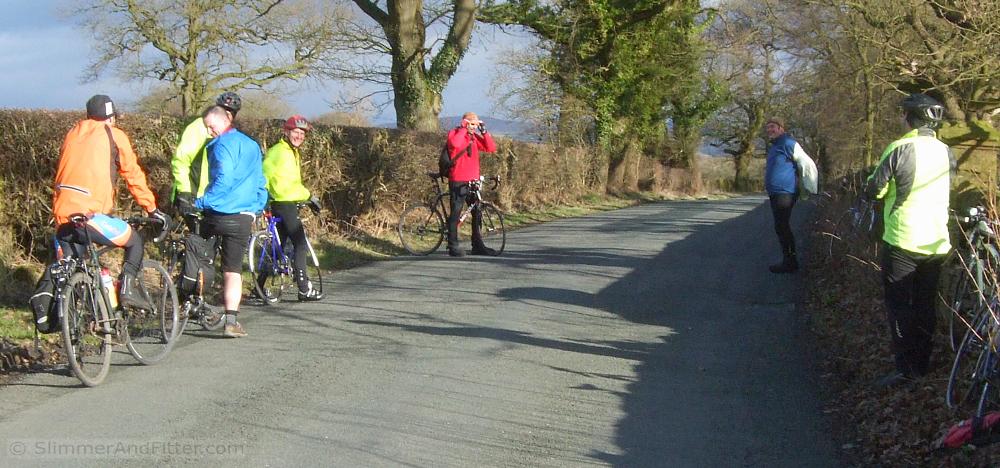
190	162
282	169
913	176
86	175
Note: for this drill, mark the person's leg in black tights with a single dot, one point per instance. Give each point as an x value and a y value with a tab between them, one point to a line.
459	192
781	209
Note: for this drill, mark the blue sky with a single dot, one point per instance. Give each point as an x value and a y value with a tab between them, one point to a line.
43	56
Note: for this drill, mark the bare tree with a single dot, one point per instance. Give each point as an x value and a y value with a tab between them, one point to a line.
420	66
203	47
745	58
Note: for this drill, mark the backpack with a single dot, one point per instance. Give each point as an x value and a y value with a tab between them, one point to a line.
198	269
43	305
806	172
446	162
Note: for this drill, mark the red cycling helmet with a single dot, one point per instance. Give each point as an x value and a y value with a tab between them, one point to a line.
297	121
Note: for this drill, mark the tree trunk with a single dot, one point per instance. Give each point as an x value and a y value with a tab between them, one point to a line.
741	163
417	106
416	87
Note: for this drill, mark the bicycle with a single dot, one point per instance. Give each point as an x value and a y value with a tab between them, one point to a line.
93	321
980	374
272	268
969	272
974	297
423	226
195	305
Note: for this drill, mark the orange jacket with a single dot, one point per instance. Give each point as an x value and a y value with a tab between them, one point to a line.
86	178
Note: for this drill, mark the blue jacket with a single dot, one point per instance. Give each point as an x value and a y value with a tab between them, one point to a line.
236	181
779	174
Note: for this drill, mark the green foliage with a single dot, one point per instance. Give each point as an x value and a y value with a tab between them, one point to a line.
623	58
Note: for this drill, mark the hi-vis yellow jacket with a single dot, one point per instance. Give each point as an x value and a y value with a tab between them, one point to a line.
282	169
914	178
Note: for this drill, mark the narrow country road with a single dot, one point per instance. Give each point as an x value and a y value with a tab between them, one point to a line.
649	336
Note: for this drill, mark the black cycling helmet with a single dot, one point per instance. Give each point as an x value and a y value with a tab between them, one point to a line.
922	110
229	100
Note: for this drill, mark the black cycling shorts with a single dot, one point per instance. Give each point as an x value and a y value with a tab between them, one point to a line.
234	230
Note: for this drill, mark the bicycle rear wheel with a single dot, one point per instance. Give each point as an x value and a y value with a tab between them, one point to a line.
270	274
960	307
493	231
86	334
151	334
421	229
966	376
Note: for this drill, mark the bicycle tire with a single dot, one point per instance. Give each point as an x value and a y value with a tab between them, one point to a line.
966	372
421	229
989	394
961	308
493	231
151	334
313	271
86	340
269	275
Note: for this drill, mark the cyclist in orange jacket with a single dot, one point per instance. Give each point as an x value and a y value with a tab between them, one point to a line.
93	155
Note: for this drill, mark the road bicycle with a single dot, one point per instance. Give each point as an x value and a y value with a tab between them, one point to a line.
969	273
194	304
423	226
975	378
92	319
972	309
271	264
850	234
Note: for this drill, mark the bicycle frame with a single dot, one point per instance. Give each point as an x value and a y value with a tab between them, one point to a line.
277	248
90	264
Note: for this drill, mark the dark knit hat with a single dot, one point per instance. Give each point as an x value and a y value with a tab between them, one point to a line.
100	107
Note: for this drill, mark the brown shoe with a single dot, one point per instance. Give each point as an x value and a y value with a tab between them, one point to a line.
234	330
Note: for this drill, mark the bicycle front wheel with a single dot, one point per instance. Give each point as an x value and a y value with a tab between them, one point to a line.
493	231
269	272
151	334
960	307
86	333
421	229
967	369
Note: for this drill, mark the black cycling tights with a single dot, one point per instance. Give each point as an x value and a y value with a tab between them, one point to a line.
73	241
291	228
781	207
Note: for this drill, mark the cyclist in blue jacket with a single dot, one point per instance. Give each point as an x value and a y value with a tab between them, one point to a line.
236	192
781	183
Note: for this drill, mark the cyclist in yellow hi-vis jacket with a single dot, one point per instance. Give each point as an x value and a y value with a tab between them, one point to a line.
913	178
282	169
189	165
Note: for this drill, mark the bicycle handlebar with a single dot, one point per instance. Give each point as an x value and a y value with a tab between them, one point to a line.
139	221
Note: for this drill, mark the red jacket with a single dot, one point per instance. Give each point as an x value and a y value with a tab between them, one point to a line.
466	166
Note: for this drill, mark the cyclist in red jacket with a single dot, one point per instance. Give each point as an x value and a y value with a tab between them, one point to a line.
464	144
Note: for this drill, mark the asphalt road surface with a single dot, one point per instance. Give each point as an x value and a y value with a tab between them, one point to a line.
650	336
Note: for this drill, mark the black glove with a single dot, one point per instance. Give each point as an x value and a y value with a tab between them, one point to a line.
314	205
482	128
184	201
166	224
